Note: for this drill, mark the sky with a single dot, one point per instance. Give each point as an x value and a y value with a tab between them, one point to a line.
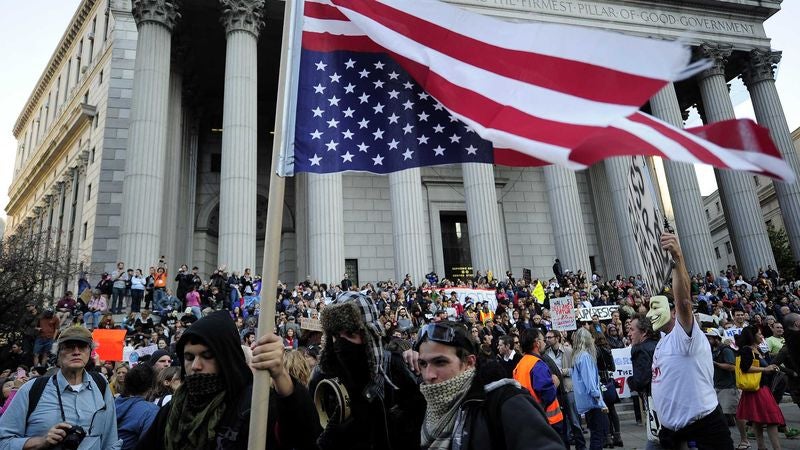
30	31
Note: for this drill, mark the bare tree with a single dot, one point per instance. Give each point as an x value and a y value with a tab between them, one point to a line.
31	266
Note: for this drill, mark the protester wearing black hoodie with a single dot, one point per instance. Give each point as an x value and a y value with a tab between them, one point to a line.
211	409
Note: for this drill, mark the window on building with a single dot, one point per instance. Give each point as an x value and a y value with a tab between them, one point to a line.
716	252
105	26
708	215
96	120
88	192
351	269
100	79
85	229
728	247
91	38
770	224
78	68
756	180
58	92
717	205
91	156
216	162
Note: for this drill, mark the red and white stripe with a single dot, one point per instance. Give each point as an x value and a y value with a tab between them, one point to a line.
556	94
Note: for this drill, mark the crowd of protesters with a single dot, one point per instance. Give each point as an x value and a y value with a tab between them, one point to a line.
380	341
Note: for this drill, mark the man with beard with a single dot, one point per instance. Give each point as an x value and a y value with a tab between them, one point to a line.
211	409
683	370
386	407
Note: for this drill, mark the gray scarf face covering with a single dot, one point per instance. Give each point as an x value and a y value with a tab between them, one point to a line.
444	400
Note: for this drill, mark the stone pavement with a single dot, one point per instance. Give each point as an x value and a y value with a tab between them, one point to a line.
634	439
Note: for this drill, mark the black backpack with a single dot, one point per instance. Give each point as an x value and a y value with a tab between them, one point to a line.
39	384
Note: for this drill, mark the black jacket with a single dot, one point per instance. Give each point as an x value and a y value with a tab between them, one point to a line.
391	423
292	423
642	360
502	415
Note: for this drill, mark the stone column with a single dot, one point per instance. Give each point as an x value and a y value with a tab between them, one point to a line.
325	227
567	219
759	76
144	167
80	185
408	224
604	217
739	200
487	247
238	178
617	171
172	173
687	203
188	187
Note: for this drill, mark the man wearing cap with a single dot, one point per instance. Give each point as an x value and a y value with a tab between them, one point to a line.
683	372
471	407
71	401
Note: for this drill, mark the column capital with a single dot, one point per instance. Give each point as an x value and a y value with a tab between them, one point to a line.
760	66
244	15
164	12
718	54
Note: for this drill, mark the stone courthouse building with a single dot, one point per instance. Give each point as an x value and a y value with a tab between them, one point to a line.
149	134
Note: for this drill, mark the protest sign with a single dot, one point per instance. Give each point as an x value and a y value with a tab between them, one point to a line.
109	344
731	333
538	292
603	312
562	314
526	275
310	324
137	354
647	226
475	295
624	366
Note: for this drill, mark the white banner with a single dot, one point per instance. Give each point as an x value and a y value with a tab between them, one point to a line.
475	295
562	314
603	312
624	365
647	223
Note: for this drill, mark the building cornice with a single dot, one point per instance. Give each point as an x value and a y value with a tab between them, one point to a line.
72	32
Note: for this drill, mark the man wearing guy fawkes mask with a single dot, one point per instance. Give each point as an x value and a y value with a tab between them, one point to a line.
386	408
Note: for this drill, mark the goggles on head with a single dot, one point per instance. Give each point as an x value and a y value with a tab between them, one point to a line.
443	333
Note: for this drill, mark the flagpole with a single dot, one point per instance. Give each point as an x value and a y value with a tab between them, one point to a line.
262	382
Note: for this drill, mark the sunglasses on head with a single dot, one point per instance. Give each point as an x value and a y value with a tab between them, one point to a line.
439	332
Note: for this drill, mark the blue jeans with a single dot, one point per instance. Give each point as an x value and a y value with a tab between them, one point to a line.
597	421
573	422
92	319
158	294
198	313
117	300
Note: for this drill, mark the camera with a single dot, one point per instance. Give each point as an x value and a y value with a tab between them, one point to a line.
73	439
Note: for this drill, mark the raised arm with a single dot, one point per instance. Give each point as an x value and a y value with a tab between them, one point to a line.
681	286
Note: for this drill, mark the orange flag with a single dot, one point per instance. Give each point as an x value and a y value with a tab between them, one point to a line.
109	344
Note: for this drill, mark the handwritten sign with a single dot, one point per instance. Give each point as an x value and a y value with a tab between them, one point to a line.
562	314
475	296
310	324
602	312
624	366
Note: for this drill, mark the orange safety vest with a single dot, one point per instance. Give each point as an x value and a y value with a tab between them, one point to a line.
522	373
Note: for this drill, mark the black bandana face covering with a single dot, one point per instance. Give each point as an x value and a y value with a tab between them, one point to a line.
201	386
353	361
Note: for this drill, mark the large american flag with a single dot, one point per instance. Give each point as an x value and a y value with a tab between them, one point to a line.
390	84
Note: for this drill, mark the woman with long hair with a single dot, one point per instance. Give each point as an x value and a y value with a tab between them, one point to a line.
117	382
165	385
606	369
586	385
758	406
297	366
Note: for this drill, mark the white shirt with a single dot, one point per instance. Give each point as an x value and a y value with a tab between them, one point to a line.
683	377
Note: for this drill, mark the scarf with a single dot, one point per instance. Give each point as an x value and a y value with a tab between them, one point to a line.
196	411
444	401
